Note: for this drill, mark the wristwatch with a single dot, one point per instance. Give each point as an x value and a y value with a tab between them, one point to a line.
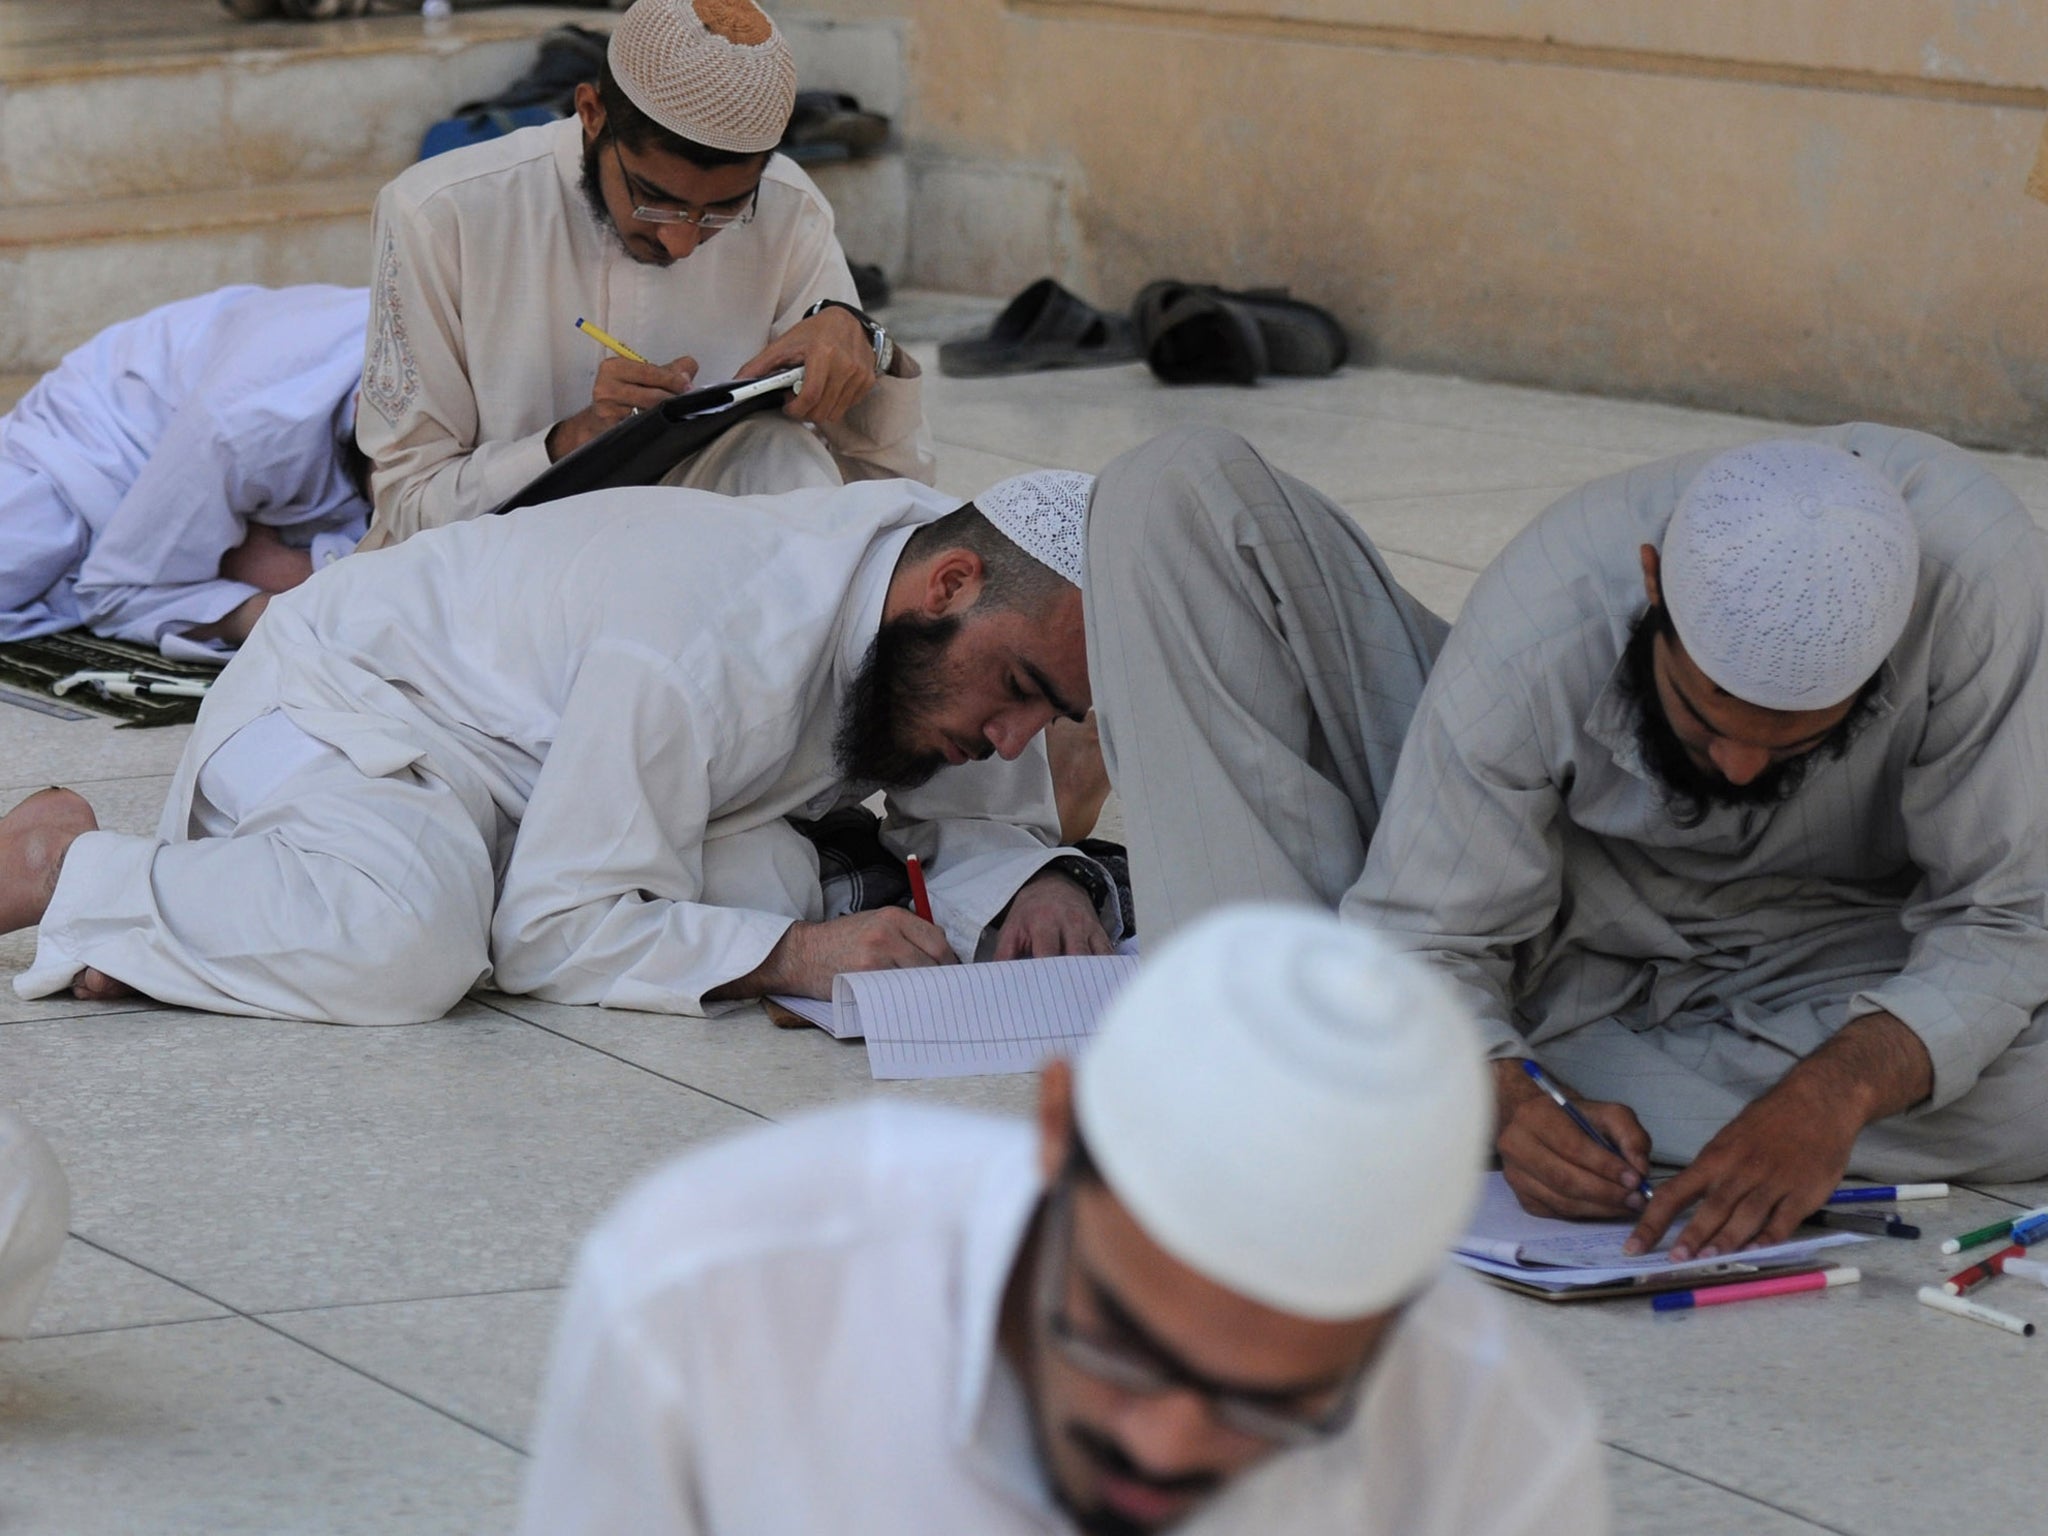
885	348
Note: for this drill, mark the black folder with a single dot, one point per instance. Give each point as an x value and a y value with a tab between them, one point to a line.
643	448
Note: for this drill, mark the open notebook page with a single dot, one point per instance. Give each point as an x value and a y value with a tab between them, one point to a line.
963	1020
1503	1239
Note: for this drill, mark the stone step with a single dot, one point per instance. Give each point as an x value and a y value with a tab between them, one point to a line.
66	272
871	208
210	109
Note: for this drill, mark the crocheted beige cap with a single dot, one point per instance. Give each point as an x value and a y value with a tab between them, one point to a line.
1044	513
718	72
1789	570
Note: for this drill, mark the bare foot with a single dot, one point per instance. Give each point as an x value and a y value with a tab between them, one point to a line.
34	837
1080	783
98	987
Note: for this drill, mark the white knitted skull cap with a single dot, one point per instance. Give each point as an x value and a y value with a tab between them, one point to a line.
1045	514
1789	570
718	72
1292	1108
35	1210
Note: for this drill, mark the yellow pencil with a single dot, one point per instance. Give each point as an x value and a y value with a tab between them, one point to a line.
604	340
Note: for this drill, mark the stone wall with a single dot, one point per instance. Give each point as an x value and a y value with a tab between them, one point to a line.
1802	208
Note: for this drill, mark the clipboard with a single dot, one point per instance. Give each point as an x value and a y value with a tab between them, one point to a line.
643	448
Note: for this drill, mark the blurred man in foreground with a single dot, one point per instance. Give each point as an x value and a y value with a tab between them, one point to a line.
1211	1288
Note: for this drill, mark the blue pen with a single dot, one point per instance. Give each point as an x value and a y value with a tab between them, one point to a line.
1851	1196
1542	1080
2030	1230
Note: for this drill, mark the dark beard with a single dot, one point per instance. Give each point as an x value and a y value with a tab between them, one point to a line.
1109	1457
592	184
900	681
1691	791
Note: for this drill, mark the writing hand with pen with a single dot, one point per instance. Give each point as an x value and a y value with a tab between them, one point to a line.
626	383
1753	1183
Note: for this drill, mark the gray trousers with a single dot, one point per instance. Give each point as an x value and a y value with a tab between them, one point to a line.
1254	667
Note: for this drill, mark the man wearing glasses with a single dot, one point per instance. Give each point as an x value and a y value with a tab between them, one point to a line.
1210	1288
660	214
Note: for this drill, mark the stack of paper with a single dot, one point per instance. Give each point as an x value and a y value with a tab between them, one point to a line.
1563	1256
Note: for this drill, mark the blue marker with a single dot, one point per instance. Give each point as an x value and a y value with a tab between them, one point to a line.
1541	1080
1888	1192
2029	1230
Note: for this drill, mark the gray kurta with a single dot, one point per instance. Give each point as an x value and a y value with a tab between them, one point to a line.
1680	970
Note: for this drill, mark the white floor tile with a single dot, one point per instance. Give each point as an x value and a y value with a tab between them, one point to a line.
1857	1409
212	1427
276	1165
92	1291
479	1359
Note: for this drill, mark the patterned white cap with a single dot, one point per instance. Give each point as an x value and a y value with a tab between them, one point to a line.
1789	570
1045	514
718	72
35	1209
1291	1108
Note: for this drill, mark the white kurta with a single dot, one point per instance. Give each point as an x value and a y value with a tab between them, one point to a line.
485	259
139	461
626	693
796	1331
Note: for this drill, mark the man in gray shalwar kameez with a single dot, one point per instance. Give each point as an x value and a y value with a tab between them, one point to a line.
1853	977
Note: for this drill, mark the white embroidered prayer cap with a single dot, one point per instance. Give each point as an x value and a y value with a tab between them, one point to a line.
35	1210
1045	514
1789	570
718	72
1292	1108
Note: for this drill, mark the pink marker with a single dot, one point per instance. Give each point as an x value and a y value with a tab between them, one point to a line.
1749	1290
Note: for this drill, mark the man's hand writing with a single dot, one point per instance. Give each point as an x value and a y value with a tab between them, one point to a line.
1556	1169
808	955
622	387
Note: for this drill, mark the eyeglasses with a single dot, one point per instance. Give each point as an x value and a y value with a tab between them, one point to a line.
703	218
1131	1367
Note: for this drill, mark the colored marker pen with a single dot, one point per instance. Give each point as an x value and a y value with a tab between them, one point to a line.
1941	1301
1969	1279
920	898
1877	1223
1751	1290
1855	1194
2027	1269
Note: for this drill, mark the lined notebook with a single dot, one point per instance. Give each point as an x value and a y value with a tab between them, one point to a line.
968	1020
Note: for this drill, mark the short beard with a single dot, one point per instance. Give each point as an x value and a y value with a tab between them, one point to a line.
1109	1457
901	680
592	183
1689	790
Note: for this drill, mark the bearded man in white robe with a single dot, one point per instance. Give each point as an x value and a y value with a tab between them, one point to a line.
558	751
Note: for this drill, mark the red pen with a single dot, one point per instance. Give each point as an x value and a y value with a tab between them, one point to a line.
920	898
1966	1280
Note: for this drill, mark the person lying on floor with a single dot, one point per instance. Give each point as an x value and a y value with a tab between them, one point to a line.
1726	801
558	750
1207	1291
176	472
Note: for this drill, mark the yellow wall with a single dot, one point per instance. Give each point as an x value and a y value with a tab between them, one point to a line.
1809	208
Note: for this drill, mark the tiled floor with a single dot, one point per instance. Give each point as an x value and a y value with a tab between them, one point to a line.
314	1270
